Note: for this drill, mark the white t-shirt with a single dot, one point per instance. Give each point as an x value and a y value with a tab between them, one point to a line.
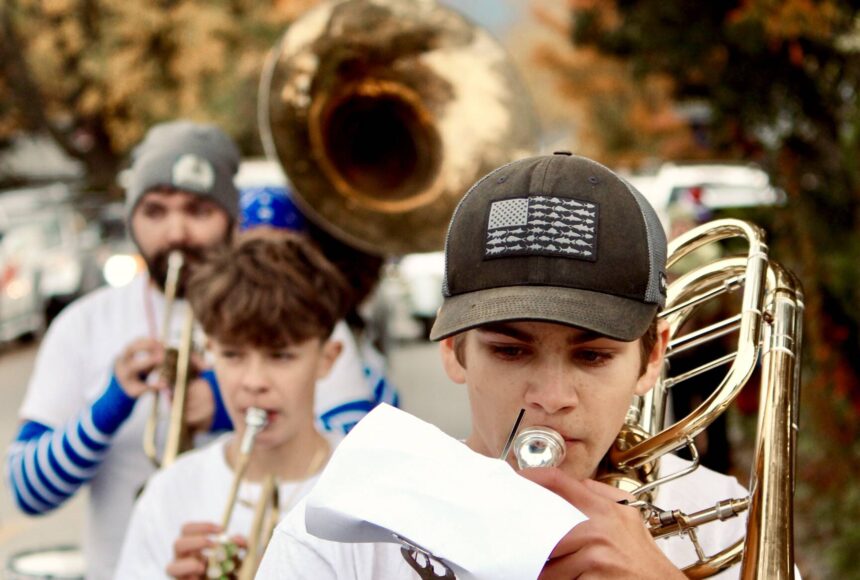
72	369
194	489
294	553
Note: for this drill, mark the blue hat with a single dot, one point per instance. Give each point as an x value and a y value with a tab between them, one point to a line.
269	206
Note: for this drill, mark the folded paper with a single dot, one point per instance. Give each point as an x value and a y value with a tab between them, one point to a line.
397	474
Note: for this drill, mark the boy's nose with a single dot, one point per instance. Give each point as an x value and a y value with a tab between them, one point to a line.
254	379
255	387
552	391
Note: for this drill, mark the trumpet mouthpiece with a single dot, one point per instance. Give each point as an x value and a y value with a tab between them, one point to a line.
255	421
175	260
255	418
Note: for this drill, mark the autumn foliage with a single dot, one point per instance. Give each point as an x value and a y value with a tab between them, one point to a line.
94	74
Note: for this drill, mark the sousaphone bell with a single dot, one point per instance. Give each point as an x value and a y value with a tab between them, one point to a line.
383	113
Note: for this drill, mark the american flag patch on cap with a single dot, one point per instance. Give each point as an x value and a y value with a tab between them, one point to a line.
542	225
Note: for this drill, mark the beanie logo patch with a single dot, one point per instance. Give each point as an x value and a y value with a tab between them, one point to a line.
193	173
542	225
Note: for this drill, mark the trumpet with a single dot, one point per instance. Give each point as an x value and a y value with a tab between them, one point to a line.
769	329
176	370
226	561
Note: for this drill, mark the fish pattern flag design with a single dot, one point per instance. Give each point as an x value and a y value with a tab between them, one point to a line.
542	225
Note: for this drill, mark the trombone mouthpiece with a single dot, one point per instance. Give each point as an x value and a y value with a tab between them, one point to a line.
539	447
255	421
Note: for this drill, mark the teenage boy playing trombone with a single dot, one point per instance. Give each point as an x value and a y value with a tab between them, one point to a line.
268	306
555	273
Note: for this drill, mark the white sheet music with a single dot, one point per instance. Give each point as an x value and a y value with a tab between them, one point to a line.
396	473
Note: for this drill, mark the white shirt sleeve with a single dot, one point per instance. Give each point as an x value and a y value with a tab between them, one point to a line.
148	547
56	391
291	553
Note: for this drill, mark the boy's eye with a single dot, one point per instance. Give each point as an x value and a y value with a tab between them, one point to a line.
282	355
231	354
593	357
508	351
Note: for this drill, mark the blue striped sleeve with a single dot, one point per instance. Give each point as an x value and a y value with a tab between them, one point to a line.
45	467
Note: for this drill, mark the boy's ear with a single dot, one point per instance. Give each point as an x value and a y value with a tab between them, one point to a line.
655	360
330	351
452	366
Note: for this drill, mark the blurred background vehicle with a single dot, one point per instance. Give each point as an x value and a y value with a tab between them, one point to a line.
21	312
50	254
710	185
421	275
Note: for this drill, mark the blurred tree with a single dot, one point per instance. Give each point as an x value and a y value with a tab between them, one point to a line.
94	74
778	82
618	120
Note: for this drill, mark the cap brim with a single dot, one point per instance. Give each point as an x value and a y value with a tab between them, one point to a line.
613	316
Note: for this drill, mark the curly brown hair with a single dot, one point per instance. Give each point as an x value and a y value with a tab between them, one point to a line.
268	290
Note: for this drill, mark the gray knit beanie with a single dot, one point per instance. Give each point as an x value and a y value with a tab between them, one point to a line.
187	156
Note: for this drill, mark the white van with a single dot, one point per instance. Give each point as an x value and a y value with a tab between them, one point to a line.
42	254
719	185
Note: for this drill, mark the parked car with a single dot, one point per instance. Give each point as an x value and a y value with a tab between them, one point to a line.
46	257
714	185
116	257
21	309
422	275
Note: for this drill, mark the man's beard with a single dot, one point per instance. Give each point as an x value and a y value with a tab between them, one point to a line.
157	264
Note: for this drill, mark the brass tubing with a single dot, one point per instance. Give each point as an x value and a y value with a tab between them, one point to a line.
769	551
725	359
716	563
263	525
175	263
677	523
770	323
703	335
179	436
728	286
749	334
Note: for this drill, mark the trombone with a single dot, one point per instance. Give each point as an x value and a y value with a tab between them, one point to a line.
225	560
176	368
769	329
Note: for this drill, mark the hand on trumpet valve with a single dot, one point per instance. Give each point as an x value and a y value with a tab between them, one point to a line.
135	366
202	550
612	543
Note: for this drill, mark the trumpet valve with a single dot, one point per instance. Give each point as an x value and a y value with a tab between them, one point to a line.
224	559
169	367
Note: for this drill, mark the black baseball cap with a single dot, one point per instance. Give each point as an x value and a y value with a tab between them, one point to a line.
556	238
